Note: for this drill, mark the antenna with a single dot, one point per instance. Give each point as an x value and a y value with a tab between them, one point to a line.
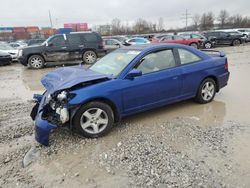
51	24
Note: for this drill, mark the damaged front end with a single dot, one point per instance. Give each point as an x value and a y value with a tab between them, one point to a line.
52	109
50	112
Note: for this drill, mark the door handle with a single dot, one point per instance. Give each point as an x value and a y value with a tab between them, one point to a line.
175	78
81	46
64	47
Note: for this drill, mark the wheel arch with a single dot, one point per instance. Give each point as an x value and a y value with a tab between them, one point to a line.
214	78
89	49
196	43
112	105
28	56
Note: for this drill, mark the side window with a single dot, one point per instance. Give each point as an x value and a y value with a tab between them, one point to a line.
74	39
178	38
187	57
132	40
223	34
167	38
196	36
157	61
90	37
58	40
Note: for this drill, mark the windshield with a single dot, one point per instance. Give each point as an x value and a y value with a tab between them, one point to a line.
115	62
6	47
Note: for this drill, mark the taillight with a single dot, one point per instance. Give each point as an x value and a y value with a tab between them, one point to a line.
101	45
226	65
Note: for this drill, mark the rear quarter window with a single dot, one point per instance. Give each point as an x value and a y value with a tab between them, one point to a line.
91	37
187	57
74	39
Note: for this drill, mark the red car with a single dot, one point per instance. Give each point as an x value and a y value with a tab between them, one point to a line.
196	43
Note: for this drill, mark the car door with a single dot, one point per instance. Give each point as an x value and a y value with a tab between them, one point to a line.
158	85
179	40
167	39
76	46
57	49
192	68
225	38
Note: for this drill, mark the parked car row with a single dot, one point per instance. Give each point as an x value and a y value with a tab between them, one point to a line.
87	47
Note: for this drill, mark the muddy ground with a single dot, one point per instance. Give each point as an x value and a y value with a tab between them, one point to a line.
181	145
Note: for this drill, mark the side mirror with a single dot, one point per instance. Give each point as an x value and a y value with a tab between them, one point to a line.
133	73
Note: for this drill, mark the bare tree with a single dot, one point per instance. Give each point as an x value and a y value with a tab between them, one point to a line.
223	18
196	21
142	26
116	26
160	25
207	21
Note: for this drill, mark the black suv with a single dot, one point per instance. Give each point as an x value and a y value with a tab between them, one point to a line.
221	37
85	46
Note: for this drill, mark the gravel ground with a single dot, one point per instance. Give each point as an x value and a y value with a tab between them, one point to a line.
153	160
184	145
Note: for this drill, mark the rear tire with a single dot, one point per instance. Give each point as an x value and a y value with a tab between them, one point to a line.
36	62
208	45
89	57
94	119
206	91
236	42
195	45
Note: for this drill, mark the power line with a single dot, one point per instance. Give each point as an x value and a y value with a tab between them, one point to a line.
186	17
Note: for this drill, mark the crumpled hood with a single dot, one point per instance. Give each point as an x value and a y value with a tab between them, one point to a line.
67	77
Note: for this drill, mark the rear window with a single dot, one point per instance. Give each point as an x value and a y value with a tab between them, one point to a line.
90	37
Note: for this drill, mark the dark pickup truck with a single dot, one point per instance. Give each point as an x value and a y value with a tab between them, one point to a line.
84	46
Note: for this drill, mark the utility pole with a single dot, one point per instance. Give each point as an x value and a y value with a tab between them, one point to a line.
185	17
51	24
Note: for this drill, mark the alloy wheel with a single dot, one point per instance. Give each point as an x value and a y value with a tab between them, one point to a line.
94	120
36	62
208	91
208	45
90	57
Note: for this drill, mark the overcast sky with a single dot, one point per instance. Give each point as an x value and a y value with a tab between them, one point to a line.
35	12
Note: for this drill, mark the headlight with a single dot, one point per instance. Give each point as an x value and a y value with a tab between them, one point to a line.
62	96
20	53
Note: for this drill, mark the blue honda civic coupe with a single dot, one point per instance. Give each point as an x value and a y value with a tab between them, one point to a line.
127	81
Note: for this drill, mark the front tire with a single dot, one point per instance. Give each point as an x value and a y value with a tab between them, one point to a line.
94	119
36	62
89	57
206	91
